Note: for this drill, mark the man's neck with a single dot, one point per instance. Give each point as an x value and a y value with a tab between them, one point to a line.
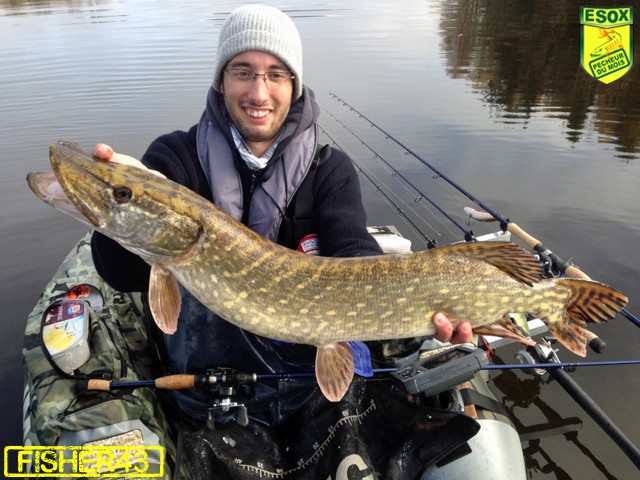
248	152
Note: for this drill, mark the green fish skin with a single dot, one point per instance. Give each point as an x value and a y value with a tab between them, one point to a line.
285	295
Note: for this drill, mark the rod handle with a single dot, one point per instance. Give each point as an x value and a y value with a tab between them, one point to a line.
575	272
530	241
533	242
595	342
176	382
98	384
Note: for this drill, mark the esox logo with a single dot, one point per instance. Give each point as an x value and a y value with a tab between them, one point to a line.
606	42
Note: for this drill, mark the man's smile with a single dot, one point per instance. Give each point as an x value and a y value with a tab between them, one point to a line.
254	113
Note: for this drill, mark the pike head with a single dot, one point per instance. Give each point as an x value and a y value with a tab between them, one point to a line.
138	209
141	211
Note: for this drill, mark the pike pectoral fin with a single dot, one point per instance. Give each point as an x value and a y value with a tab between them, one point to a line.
504	327
164	299
334	370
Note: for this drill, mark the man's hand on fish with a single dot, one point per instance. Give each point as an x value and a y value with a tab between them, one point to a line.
103	151
446	333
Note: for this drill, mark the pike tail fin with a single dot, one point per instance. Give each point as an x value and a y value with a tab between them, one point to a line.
334	370
589	302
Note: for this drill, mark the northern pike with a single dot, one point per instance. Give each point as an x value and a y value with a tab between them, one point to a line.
281	294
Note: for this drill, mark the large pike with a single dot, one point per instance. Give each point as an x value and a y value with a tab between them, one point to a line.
281	294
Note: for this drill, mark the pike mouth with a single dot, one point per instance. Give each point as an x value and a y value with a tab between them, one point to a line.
81	187
46	187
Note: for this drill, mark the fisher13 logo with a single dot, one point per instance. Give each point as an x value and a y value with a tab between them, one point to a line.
606	42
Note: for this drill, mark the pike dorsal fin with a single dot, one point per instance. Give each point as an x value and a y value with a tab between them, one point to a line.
508	257
164	299
334	370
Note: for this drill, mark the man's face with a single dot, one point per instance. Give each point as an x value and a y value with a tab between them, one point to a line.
259	107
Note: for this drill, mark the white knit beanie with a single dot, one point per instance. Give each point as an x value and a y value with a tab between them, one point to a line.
262	28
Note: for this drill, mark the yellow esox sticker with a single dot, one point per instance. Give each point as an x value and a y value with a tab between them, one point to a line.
606	42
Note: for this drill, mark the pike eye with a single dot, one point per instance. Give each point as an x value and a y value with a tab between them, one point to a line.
122	194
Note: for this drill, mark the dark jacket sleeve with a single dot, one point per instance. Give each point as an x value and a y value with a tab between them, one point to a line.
339	214
175	156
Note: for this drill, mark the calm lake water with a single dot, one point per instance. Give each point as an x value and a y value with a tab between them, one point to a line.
490	93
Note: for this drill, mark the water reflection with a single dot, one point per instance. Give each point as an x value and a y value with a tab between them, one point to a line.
519	392
523	58
46	7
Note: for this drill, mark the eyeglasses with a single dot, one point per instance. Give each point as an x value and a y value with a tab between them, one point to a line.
242	75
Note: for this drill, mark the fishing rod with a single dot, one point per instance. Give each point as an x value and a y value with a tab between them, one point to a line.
555	368
424	162
536	245
505	223
562	365
186	381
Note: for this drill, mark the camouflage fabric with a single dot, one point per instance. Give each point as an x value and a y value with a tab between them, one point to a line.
120	350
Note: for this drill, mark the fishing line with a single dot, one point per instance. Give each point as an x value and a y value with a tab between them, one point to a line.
408	221
429	242
424	162
505	223
370	176
468	235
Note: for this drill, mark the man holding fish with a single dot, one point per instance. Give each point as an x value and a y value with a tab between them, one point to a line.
253	147
233	299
